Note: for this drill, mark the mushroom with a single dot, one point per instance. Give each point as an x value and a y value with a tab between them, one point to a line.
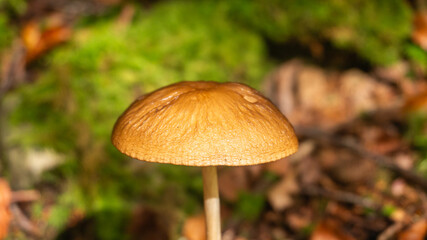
205	124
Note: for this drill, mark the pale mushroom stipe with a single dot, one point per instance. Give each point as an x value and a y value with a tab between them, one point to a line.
205	124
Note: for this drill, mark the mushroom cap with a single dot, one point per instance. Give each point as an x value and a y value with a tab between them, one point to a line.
204	124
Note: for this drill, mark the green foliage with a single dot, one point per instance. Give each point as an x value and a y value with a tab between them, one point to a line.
417	135
16	6
388	209
180	184
94	78
417	55
7	32
376	30
250	205
5	37
416	123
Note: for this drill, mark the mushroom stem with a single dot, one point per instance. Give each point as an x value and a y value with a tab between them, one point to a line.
210	186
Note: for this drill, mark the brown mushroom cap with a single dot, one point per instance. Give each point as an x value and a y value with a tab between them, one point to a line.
204	124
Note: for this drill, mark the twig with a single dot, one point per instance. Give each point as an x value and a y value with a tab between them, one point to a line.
4	162
380	160
391	231
340	196
13	68
25	196
23	222
12	72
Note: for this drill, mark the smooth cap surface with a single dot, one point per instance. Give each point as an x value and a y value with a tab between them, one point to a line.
204	124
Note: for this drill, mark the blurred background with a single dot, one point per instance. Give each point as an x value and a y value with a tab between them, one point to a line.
349	75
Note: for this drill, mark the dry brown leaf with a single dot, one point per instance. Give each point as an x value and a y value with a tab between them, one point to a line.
417	231
31	35
419	34
38	41
396	72
380	140
363	93
299	219
345	167
311	96
195	228
397	187
5	215
313	87
416	103
398	215
341	212
280	195
329	229
412	88
405	160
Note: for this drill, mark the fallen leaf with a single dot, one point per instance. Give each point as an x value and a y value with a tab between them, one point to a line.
363	93
396	72
299	219
380	140
417	231
31	35
5	216
195	228
311	96
416	103
329	229
280	195
37	41
345	167
398	215
405	160
397	187
419	34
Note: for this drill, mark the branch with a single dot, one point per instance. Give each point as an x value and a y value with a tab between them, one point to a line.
380	160
340	196
23	222
391	231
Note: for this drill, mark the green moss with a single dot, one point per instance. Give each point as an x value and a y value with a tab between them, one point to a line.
417	136
7	8
375	30
250	205
6	32
98	74
417	56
